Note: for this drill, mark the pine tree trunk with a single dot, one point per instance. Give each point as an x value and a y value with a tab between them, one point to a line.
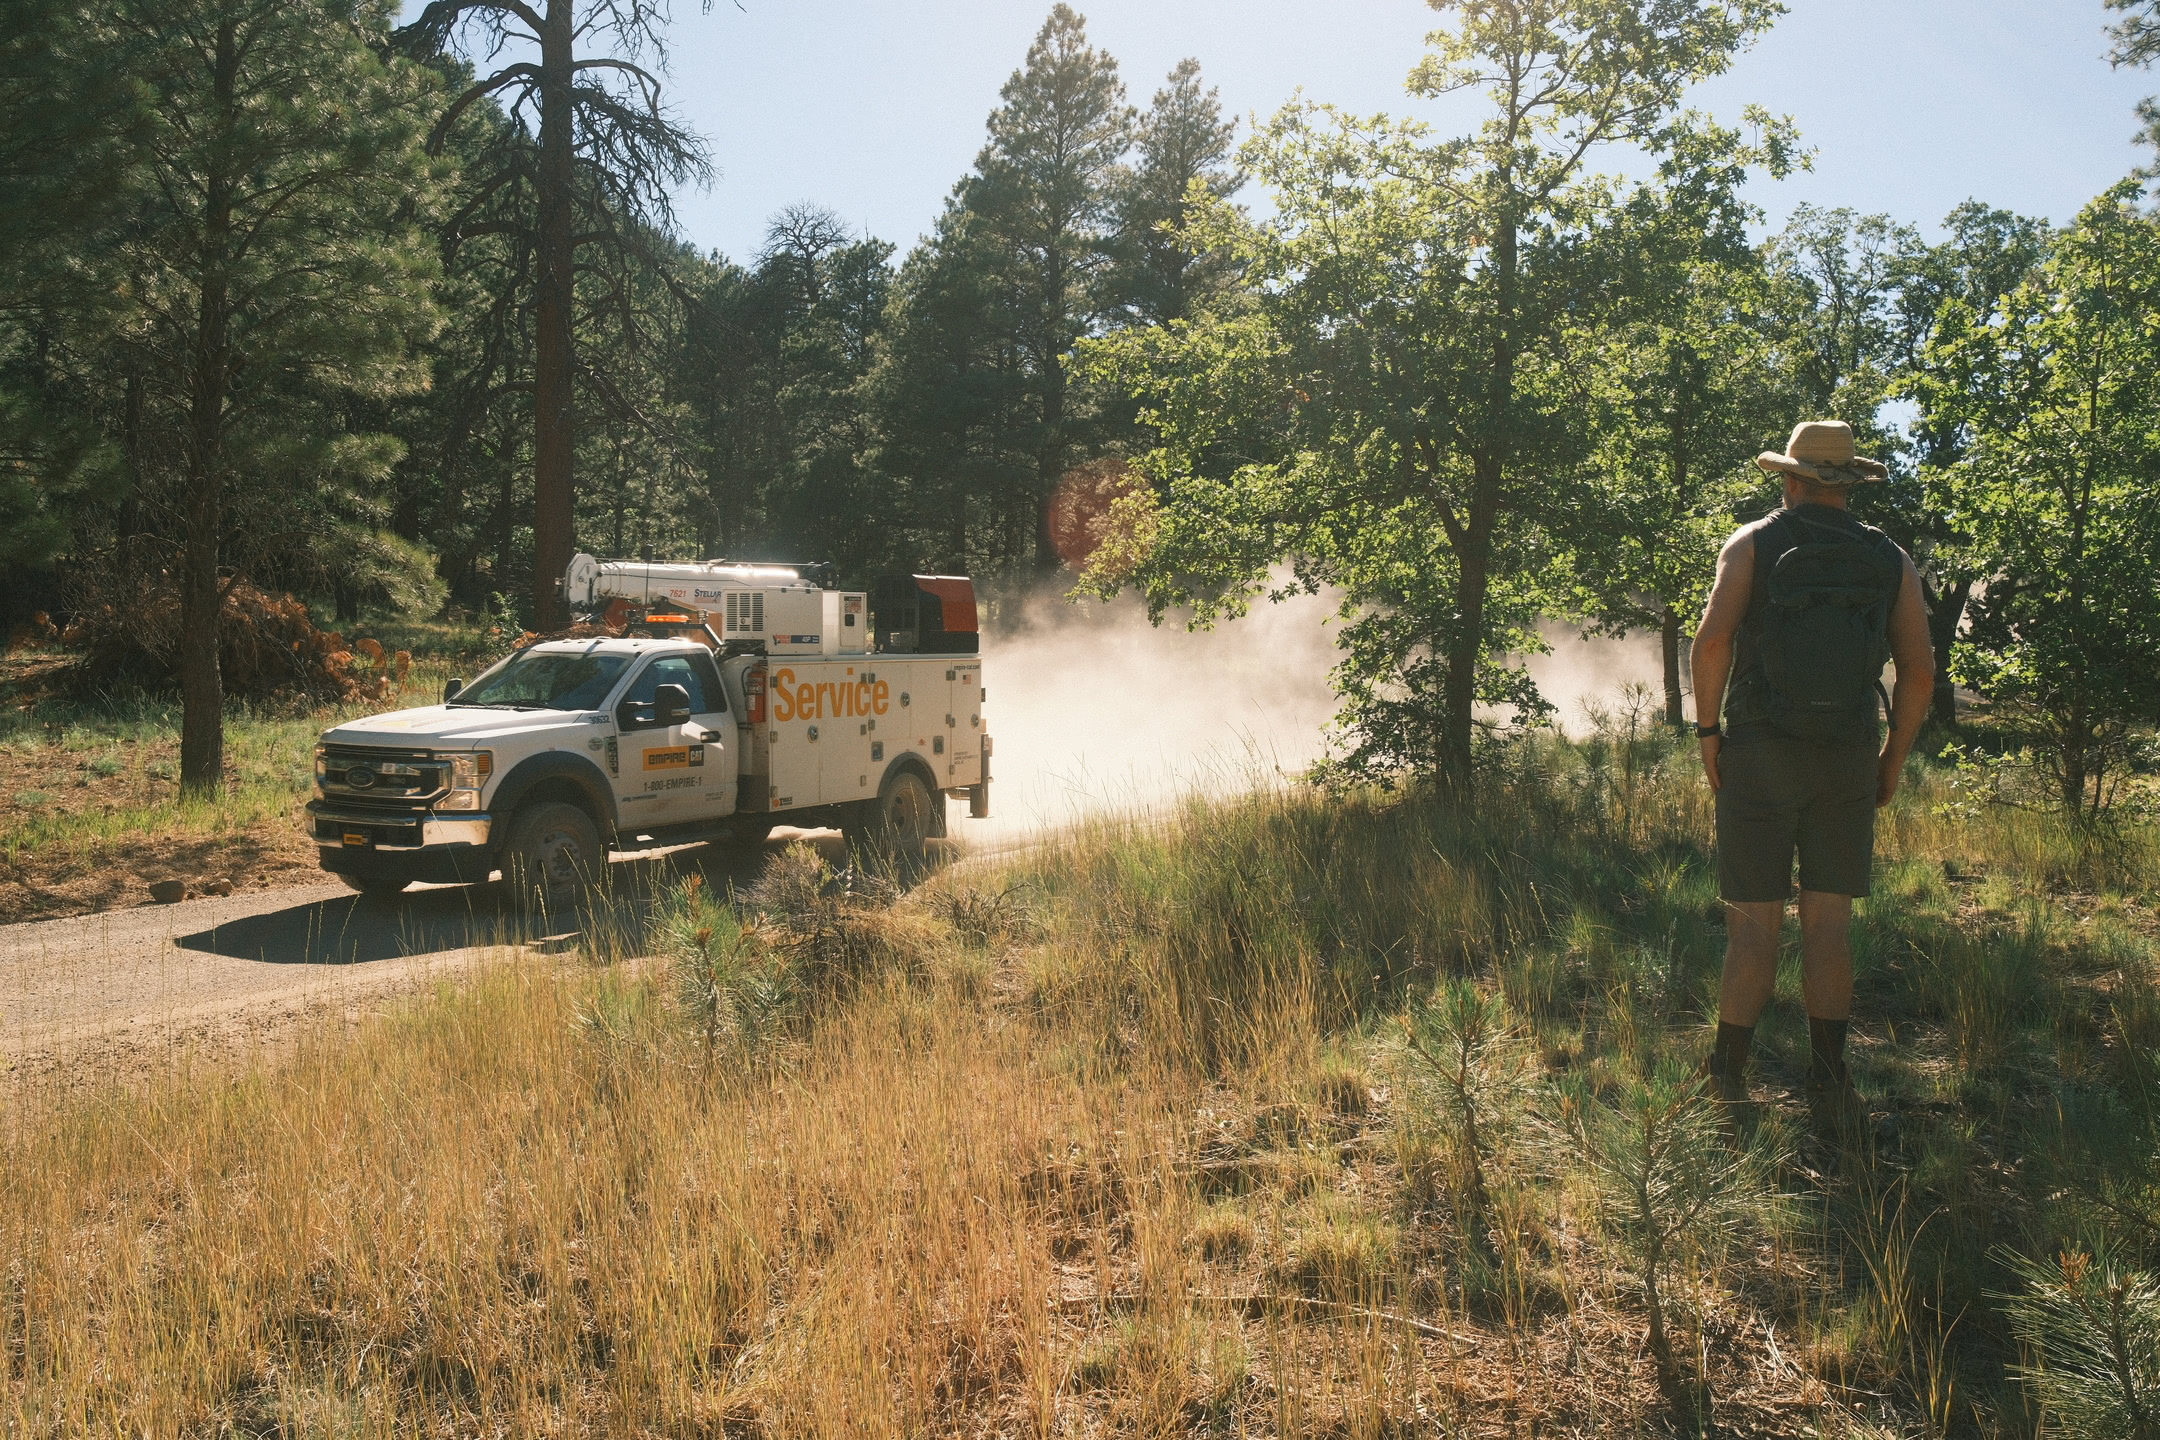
202	687
556	295
128	523
1050	459
505	533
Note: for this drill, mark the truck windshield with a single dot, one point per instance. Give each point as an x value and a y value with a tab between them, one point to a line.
546	681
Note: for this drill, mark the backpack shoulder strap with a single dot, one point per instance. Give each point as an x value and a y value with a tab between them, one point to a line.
1772	541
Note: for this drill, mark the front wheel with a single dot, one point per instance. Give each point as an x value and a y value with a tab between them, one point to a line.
553	854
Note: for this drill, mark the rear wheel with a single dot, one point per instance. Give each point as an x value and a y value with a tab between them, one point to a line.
375	887
906	814
553	853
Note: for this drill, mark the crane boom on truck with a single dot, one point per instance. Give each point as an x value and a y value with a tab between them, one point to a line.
706	701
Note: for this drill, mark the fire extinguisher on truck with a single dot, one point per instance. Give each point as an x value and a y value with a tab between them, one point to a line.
706	701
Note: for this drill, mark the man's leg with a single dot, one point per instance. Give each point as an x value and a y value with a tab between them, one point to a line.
1826	954
1751	943
1826	981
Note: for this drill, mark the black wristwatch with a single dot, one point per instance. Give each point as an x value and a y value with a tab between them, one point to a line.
1704	732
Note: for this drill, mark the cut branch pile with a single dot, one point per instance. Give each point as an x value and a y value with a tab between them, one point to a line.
267	646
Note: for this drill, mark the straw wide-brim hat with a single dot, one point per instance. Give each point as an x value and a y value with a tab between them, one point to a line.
1822	450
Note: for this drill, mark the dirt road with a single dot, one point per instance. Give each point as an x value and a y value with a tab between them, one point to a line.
92	995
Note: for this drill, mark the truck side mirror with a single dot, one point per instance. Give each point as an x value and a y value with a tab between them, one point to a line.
452	688
671	705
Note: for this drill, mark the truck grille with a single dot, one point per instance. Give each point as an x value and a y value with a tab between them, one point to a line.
377	777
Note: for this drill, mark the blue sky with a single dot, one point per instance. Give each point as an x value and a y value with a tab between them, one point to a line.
875	108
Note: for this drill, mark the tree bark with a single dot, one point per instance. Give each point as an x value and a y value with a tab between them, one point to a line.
1466	646
505	534
555	293
1943	623
1050	459
1473	545
202	686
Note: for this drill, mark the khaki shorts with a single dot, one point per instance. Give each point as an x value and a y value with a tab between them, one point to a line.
1776	796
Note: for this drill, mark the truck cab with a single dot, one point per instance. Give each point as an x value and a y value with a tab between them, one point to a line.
569	748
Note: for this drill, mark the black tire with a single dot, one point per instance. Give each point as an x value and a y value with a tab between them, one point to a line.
375	887
552	854
906	815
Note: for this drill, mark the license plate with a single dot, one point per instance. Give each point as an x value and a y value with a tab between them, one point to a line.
356	837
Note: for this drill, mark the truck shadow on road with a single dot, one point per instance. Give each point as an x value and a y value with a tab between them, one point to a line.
449	919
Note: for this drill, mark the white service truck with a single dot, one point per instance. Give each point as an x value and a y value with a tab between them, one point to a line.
711	702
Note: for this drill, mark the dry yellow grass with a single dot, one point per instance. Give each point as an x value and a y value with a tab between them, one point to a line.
1104	1142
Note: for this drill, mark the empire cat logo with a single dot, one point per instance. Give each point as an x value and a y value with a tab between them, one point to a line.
674	757
827	699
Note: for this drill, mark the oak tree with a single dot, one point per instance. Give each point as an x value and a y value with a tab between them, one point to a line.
1400	411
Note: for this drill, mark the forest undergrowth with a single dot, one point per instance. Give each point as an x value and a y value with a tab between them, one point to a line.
1296	1114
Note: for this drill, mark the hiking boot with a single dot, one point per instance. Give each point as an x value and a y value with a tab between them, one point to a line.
1840	1115
1730	1089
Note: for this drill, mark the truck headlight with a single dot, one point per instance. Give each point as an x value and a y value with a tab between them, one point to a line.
470	772
467	774
321	765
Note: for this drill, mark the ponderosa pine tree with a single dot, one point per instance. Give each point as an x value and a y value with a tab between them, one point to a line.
952	391
605	155
2137	42
278	201
1182	140
1042	203
68	107
773	368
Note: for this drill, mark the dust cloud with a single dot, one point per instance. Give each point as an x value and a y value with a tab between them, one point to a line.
1093	710
1579	673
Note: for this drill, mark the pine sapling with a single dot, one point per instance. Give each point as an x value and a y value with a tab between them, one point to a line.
2094	1326
1464	1055
1667	1185
726	987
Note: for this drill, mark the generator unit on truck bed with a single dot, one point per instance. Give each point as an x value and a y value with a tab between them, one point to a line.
705	702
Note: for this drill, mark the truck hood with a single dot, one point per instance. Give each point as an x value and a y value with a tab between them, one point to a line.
456	726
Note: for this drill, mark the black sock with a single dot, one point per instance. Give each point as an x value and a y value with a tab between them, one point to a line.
1826	1049
1729	1055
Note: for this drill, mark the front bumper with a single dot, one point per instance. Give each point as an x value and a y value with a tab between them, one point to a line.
332	824
415	846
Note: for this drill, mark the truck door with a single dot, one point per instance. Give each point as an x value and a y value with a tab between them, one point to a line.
845	768
963	724
796	726
672	774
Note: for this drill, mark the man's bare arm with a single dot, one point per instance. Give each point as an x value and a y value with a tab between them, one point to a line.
1913	653
1710	662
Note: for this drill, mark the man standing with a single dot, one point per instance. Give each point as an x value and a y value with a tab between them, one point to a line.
1808	604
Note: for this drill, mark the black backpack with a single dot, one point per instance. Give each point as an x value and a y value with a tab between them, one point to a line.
1826	628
